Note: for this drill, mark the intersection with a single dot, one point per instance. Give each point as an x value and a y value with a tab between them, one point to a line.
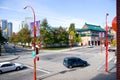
50	66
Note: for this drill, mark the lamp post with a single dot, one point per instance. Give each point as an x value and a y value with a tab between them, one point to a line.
106	66
34	40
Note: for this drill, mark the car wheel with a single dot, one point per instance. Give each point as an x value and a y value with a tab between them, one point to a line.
0	72
84	64
18	68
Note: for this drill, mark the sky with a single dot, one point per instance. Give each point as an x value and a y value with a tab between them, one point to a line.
59	12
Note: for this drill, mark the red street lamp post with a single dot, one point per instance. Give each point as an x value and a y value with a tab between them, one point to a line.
34	41
106	66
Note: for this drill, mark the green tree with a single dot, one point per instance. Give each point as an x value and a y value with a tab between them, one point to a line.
62	35
78	38
72	28
2	39
24	35
44	23
113	43
13	38
44	33
72	32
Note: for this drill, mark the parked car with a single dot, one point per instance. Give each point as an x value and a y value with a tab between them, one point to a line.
9	66
112	49
71	62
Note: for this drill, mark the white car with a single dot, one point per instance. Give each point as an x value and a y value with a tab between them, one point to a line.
9	66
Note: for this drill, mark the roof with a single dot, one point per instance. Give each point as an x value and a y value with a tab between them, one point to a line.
91	27
4	63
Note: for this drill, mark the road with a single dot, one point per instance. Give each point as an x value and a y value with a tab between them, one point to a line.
25	74
51	63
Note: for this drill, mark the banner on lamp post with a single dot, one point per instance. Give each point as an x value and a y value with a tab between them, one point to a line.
101	34
37	28
70	37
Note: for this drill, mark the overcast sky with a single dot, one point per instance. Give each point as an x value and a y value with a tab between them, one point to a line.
59	12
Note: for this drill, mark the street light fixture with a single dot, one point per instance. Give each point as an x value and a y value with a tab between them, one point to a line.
36	58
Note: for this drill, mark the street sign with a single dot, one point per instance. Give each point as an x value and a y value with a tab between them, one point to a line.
33	54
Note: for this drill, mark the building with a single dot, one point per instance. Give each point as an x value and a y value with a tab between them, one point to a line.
10	26
93	35
27	22
6	28
4	25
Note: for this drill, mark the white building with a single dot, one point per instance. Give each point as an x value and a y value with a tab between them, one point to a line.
27	21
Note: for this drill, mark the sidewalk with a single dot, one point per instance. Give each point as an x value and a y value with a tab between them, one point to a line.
5	58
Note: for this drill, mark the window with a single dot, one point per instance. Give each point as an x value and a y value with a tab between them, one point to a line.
7	65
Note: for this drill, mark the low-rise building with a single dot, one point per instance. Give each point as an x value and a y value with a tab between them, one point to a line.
93	35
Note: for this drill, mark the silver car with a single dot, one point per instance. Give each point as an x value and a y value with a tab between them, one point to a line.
9	66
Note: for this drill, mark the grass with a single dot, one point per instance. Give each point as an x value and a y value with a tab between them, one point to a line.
51	48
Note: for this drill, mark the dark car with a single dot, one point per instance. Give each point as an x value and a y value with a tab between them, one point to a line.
112	49
71	62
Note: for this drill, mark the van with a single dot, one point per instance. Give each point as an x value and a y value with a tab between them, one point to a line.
71	62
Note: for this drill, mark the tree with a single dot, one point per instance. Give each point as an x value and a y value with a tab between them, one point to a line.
72	28
78	38
72	32
43	31
13	38
2	39
44	23
113	43
24	35
62	35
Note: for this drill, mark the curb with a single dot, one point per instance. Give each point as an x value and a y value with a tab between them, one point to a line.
4	59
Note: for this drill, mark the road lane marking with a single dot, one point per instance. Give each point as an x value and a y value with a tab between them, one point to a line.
104	63
39	69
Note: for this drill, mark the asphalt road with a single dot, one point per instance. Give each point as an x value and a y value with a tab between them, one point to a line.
25	74
50	61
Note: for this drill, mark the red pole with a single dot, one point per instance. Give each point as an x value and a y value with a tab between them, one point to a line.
34	41
106	67
101	41
35	68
